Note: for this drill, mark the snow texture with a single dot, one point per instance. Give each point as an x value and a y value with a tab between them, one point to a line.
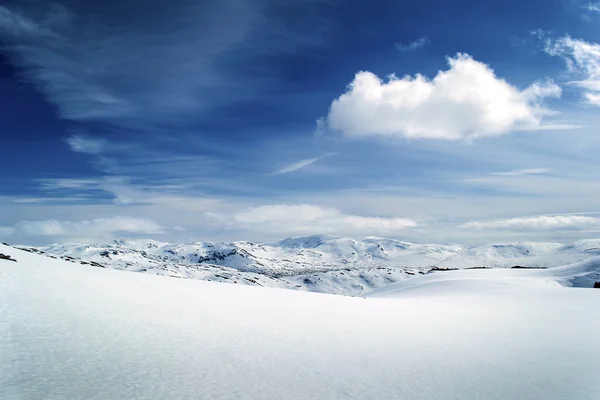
72	331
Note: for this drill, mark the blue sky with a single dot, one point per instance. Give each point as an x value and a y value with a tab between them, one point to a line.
447	122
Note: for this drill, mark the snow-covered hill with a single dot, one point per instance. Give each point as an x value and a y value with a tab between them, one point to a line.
315	263
286	257
72	331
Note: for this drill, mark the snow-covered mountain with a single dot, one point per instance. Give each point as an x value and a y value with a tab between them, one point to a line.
286	257
71	331
315	263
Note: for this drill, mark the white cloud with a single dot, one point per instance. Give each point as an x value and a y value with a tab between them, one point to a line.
306	219
86	144
466	101
583	59
518	172
285	212
543	222
86	229
592	7
420	42
298	165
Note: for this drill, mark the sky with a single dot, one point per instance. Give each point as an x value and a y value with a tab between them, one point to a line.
430	121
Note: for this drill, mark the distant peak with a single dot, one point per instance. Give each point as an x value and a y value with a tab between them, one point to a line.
302	241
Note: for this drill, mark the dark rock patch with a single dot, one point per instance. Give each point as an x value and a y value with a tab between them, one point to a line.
442	269
95	264
6	257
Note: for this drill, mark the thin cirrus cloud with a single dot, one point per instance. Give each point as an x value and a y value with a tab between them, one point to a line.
79	55
583	60
414	45
85	144
519	172
17	25
90	73
466	101
592	7
543	222
121	191
299	165
48	184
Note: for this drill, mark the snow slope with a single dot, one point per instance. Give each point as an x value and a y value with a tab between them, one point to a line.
342	281
581	274
71	331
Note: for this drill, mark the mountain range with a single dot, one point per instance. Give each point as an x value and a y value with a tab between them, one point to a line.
314	263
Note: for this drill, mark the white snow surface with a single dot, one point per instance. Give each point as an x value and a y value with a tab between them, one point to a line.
72	331
317	263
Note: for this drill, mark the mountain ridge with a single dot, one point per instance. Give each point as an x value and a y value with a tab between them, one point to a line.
317	263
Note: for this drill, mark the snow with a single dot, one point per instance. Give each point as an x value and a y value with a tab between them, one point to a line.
287	257
72	331
582	274
317	263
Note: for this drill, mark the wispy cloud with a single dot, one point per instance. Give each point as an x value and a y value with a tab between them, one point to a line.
85	230
536	223
86	144
69	183
592	7
308	218
16	25
518	172
553	126
583	60
37	200
88	71
298	165
183	64
122	191
417	44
